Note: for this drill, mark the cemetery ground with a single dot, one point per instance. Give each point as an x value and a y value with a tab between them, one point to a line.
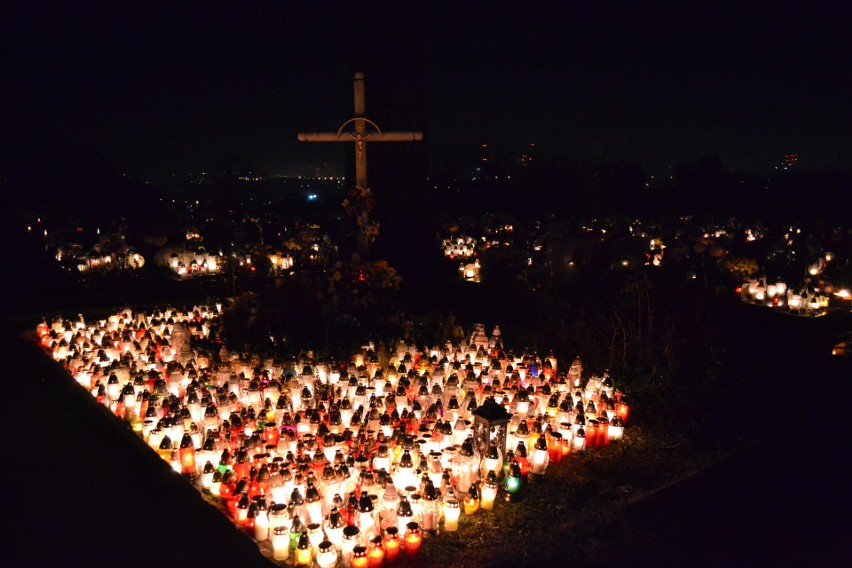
746	468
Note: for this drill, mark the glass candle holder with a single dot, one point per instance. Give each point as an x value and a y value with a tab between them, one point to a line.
513	483
351	536
327	555
393	544
452	511
359	557
471	501
315	536
281	543
376	552
413	539
304	551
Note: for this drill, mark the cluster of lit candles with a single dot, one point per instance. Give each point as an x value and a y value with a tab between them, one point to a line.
340	463
460	247
779	295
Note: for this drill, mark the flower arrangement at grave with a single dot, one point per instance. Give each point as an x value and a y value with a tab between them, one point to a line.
358	204
361	284
341	462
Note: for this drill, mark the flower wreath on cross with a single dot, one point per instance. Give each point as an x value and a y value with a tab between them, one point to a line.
358	204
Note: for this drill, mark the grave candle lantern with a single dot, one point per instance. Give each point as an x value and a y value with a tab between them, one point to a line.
165	449
552	406
555	447
334	526
471	500
540	457
452	511
279	516
622	409
359	557
376	553
304	551
296	528
521	403
603	430
413	538
514	483
489	491
465	467
271	435
579	440
490	425
521	459
241	509
351	535
313	503
315	536
404	513
592	433
405	474
519	435
616	429
249	522
327	556
491	461
430	510
366	521
281	543
436	469
382	458
207	475
261	524
215	483
392	543
113	387
187	456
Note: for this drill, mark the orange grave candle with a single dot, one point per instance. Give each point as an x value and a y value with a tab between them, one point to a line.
392	544
622	410
359	558
413	539
187	456
376	553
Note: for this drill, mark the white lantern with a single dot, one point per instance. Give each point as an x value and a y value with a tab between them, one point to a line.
616	429
261	525
452	511
489	492
327	555
540	457
281	543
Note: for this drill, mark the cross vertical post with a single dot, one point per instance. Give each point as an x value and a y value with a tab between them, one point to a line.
360	136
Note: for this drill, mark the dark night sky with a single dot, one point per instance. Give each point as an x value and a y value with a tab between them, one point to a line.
157	88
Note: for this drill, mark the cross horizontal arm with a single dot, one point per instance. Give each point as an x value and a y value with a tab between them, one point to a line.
394	136
371	137
322	137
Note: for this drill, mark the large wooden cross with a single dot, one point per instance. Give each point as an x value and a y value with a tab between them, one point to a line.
360	137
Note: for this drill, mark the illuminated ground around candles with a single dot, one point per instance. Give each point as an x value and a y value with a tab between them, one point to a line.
396	427
606	506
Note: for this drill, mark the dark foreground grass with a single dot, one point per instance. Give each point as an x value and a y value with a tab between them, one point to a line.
563	515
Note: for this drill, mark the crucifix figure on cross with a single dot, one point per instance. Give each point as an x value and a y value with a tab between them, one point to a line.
360	136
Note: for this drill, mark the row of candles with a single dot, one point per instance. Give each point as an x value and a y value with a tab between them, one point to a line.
340	463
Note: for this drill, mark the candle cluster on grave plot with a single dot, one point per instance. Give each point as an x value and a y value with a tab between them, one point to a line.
805	301
340	463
